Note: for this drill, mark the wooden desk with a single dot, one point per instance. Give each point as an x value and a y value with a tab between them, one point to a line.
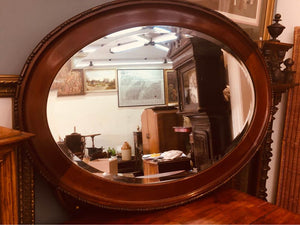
161	166
223	206
129	166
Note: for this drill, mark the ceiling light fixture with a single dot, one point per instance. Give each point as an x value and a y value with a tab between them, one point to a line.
165	38
127	62
161	30
126	31
125	47
114	63
89	49
161	47
140	41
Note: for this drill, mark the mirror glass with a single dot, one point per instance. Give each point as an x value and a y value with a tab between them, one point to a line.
142	105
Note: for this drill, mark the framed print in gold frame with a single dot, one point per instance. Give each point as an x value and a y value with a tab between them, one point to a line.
252	15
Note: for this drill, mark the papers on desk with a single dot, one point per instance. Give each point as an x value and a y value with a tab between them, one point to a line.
167	155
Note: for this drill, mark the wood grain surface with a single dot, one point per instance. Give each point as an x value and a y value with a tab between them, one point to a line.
9	196
289	176
223	206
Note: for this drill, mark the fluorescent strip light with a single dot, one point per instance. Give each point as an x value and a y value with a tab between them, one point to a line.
126	31
121	63
161	47
165	38
89	49
126	47
124	63
141	39
161	30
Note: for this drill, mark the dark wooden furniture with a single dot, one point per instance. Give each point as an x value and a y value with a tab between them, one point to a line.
226	206
157	130
162	166
255	175
129	166
9	195
138	143
67	39
202	78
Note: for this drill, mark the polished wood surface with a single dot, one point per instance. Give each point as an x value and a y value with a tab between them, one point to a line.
289	175
67	39
8	174
225	206
162	166
157	130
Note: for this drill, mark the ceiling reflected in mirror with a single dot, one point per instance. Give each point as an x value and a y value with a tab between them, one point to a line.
150	104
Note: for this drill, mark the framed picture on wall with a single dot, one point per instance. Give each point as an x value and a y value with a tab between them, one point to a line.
171	87
68	81
252	15
98	80
140	87
73	84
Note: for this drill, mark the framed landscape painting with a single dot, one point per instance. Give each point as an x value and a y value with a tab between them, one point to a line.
140	87
97	80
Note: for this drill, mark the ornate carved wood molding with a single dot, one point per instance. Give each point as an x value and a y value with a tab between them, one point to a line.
26	189
289	176
281	80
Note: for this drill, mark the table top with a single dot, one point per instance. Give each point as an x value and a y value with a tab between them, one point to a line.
223	206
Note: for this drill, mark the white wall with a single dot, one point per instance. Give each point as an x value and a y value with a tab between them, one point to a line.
91	114
6	112
289	10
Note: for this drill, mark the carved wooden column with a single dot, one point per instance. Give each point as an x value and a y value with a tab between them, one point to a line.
289	174
281	80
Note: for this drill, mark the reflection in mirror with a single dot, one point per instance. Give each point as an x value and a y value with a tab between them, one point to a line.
150	104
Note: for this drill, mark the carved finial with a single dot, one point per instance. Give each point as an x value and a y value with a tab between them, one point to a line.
288	72
288	64
276	28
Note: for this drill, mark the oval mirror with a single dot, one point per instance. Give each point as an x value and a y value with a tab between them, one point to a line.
114	87
220	104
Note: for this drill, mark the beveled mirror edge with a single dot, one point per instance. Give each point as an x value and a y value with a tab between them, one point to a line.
59	36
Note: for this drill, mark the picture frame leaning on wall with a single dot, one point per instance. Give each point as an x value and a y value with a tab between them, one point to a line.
252	15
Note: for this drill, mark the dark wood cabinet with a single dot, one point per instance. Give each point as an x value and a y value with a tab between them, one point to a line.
202	78
158	130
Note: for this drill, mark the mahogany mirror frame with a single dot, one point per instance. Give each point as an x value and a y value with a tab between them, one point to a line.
58	46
